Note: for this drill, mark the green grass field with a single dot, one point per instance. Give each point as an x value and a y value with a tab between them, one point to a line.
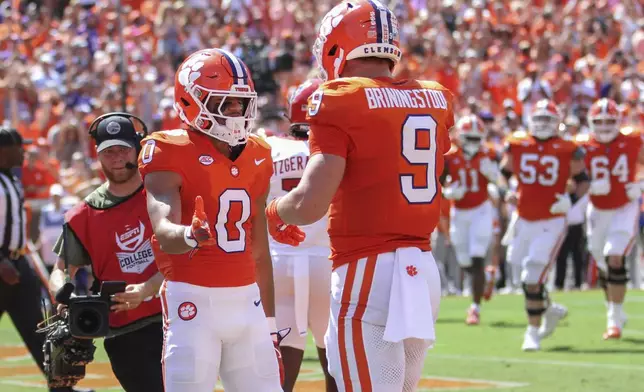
483	358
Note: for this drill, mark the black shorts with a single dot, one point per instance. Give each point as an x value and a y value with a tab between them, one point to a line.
136	358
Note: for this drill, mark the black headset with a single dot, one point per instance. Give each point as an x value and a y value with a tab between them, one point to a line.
138	135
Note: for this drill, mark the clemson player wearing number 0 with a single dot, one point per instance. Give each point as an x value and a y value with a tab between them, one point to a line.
613	208
302	273
207	188
471	165
542	163
377	147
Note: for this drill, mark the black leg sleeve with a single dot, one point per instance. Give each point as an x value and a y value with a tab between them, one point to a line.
562	261
25	309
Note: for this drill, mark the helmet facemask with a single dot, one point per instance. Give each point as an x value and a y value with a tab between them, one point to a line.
604	128
544	126
211	120
471	144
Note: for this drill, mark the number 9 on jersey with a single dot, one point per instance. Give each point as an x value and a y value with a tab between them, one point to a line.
416	156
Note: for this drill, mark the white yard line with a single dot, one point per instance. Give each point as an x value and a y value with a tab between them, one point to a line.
538	362
17	358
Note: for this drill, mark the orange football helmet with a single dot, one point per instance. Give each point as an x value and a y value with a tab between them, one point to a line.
202	85
545	119
471	133
297	108
604	120
355	29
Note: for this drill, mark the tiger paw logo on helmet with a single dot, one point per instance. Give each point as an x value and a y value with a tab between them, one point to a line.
189	71
345	34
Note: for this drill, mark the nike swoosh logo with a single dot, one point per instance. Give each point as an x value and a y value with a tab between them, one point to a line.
259	301
259	162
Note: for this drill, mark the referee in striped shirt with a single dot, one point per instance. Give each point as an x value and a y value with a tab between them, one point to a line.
20	288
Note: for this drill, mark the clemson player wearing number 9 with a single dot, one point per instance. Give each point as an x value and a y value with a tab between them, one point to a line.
377	147
613	211
542	162
207	188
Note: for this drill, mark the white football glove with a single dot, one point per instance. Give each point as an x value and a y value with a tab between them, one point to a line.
454	191
490	169
599	187
562	205
633	190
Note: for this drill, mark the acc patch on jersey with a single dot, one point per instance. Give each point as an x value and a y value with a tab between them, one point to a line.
187	311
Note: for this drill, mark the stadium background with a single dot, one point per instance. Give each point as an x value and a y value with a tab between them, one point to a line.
61	67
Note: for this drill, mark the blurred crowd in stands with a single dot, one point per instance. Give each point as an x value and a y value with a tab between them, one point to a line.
60	59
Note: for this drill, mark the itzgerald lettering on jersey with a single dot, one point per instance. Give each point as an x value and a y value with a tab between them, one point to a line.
287	165
387	98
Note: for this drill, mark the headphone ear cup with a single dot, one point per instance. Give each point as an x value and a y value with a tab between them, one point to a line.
138	139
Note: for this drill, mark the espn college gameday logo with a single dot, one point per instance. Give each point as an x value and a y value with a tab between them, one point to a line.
136	254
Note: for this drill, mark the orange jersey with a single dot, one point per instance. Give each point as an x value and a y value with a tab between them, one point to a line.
230	190
616	160
542	169
466	171
393	135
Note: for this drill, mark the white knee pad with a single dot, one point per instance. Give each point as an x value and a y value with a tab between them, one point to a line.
532	272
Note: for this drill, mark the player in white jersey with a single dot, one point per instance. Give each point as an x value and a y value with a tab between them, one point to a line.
302	274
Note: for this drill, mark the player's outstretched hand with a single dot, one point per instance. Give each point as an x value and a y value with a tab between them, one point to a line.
198	233
280	231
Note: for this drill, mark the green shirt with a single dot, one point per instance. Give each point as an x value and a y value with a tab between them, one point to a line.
100	199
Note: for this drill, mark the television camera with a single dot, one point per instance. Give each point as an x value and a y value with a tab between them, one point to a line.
69	346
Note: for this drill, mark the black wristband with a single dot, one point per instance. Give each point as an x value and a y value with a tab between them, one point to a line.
506	173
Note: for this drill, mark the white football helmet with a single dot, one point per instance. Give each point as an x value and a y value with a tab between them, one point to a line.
544	120
471	134
604	120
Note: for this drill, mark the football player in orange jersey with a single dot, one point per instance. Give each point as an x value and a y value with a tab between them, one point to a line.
471	165
303	273
207	188
542	162
377	147
613	209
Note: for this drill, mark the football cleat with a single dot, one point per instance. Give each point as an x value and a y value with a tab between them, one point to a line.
531	341
473	317
612	333
551	318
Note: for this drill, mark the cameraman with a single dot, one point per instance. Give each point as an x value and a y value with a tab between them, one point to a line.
110	231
